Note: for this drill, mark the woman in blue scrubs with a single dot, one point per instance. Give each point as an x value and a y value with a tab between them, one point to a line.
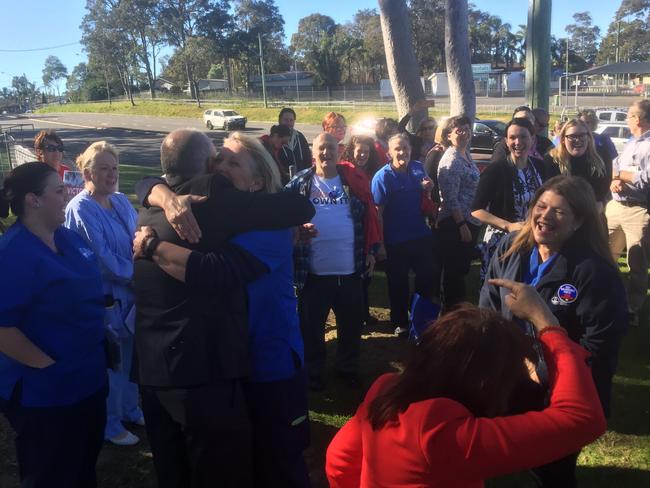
52	360
106	221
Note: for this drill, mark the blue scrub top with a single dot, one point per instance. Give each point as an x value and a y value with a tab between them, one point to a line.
56	300
401	196
274	332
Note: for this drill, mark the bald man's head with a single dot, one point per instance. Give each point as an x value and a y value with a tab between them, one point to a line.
185	153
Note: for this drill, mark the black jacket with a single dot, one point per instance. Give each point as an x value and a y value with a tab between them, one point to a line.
494	191
596	318
300	156
187	337
582	168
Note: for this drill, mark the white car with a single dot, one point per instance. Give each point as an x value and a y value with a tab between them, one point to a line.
217	118
611	115
619	133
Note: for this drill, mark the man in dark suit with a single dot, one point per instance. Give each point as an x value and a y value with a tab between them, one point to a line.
190	345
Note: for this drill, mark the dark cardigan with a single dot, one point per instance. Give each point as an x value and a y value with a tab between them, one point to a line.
494	192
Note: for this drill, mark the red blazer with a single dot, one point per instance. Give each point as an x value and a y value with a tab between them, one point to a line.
439	443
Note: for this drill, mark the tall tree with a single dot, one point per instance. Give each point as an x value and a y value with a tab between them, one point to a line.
25	91
584	36
402	64
316	42
427	19
459	67
366	25
179	21
53	71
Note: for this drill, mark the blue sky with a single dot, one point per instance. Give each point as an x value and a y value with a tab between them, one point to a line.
46	23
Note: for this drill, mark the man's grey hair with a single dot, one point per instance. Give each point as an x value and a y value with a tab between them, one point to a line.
185	153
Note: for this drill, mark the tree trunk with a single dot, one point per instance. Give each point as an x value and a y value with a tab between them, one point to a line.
458	60
538	61
402	64
108	89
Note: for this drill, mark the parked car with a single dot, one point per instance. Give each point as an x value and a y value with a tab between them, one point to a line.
217	118
611	115
619	133
486	134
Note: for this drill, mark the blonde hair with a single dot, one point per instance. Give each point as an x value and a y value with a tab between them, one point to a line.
86	160
561	155
264	167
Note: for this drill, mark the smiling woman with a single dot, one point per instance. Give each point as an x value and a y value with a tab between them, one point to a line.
562	250
106	221
576	155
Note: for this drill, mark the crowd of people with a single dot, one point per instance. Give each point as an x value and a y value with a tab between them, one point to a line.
202	318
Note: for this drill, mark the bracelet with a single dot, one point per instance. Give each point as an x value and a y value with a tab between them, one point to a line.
552	328
150	246
460	224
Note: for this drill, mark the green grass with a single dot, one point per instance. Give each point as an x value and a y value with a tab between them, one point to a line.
252	110
620	458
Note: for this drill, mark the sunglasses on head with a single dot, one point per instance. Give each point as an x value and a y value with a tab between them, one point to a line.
53	148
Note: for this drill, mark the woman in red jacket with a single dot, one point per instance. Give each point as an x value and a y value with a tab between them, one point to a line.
443	421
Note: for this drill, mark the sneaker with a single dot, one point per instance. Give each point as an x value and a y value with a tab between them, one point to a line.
401	331
126	438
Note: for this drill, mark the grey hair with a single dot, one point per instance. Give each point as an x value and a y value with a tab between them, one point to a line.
185	153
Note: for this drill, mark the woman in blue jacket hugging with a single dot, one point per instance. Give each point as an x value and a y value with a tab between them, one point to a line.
52	360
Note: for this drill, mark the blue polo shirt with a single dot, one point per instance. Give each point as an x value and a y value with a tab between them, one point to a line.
401	196
56	300
274	332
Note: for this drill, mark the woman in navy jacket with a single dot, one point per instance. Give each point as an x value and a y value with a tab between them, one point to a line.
52	360
562	250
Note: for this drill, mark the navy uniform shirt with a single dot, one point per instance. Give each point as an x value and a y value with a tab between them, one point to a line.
56	301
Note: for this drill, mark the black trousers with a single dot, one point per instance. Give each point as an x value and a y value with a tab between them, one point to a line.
57	447
416	255
558	474
343	295
200	437
456	260
280	421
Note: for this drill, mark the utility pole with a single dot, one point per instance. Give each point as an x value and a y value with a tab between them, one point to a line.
259	40
566	77
618	33
538	46
295	69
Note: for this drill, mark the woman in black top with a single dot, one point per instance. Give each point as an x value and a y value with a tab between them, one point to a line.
576	155
506	188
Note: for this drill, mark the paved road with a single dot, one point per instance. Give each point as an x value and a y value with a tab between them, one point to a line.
138	137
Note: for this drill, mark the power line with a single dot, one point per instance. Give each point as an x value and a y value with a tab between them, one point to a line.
38	48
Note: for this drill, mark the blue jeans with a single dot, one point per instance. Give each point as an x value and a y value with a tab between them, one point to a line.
122	402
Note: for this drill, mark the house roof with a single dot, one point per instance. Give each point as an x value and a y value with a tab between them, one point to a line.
616	69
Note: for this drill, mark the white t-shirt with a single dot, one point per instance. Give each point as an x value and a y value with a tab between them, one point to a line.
332	251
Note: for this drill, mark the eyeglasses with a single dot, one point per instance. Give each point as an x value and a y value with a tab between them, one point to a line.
52	148
576	137
338	126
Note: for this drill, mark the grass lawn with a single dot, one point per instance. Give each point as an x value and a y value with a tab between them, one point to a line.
620	458
252	110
